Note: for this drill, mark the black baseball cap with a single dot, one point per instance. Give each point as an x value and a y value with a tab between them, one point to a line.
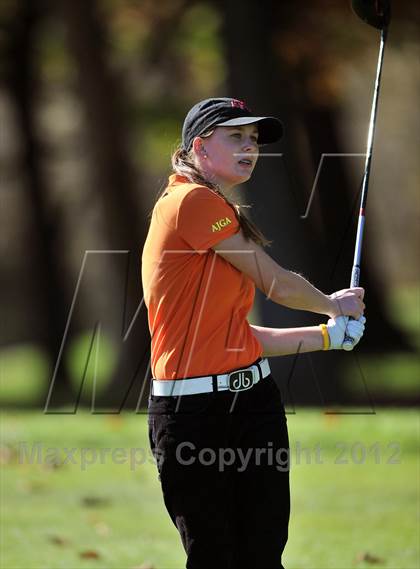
224	111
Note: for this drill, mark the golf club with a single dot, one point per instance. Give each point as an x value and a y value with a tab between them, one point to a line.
376	13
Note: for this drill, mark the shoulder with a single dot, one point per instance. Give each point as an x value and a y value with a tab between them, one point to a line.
204	217
194	196
196	191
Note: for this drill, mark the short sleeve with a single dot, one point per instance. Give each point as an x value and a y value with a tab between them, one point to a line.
205	218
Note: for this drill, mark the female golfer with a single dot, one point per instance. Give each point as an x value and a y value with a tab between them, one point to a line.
217	424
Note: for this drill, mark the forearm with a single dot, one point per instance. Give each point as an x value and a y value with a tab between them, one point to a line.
285	341
286	287
294	291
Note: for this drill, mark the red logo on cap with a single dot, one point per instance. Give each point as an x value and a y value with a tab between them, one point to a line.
239	104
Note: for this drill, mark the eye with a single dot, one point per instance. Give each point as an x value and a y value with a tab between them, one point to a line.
236	135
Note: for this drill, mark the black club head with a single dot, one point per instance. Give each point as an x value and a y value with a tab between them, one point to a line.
376	13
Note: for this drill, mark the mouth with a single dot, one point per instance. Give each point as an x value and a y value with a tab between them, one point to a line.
247	162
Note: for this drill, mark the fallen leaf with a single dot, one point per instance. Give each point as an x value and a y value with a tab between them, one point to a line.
95	501
53	464
33	486
115	422
89	554
93	518
6	455
369	558
102	528
331	419
58	540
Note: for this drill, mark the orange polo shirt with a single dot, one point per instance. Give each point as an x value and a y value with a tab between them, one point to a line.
197	302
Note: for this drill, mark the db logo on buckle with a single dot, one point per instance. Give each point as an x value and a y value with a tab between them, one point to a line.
241	380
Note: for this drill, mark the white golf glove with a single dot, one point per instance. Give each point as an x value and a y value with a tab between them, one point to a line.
342	327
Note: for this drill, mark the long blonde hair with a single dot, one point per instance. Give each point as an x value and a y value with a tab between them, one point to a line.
183	164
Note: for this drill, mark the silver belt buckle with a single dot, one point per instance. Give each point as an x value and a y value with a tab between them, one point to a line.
242	379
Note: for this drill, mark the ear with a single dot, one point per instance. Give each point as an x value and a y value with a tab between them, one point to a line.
198	146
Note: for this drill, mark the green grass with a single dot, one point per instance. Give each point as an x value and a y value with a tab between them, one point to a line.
343	509
395	373
125	522
340	510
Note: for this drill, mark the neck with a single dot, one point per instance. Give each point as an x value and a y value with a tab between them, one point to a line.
222	186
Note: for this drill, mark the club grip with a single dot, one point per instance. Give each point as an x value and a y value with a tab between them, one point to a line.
348	341
354	281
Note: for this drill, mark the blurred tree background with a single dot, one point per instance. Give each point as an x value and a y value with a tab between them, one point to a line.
92	98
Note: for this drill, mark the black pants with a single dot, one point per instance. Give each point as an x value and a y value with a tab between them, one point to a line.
231	512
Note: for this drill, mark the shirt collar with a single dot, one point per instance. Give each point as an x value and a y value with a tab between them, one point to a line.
175	179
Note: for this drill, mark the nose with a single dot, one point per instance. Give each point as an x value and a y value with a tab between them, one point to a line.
250	145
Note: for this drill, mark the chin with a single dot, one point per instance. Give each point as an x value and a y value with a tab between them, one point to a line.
239	180
245	178
236	180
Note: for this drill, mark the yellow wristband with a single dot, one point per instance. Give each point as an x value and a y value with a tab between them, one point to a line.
325	337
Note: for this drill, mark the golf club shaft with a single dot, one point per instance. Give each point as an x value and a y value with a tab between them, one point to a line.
355	276
355	273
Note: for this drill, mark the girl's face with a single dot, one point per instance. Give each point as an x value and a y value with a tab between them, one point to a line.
228	156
